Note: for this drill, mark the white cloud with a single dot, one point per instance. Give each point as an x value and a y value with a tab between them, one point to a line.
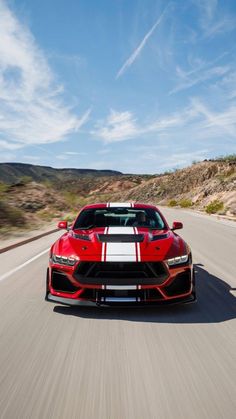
196	121
123	126
208	8
168	122
118	126
138	50
190	79
200	71
31	105
217	123
9	145
62	157
75	153
228	83
7	157
213	20
222	25
177	160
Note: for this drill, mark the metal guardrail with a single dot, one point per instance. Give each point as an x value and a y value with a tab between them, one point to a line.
30	239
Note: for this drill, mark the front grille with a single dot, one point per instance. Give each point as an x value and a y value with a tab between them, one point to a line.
121	238
121	273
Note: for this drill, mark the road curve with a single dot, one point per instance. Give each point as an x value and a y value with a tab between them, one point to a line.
167	362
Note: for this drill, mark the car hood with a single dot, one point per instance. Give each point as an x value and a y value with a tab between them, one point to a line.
120	243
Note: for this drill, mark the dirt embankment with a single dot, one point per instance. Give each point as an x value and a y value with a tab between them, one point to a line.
197	186
208	185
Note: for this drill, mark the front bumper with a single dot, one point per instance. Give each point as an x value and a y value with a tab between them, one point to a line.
177	286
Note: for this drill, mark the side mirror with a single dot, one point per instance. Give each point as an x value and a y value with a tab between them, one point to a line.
62	224
177	225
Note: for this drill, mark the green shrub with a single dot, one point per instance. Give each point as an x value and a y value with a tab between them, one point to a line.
230	173
16	216
3	188
227	158
11	215
25	179
46	215
70	217
172	203
81	203
48	183
185	203
214	206
71	199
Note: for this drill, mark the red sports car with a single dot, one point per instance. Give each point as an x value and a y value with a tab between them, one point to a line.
120	253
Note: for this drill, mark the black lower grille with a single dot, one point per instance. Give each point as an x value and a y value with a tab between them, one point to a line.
60	282
121	296
180	285
121	273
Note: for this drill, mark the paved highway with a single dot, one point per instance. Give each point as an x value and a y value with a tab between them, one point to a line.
167	362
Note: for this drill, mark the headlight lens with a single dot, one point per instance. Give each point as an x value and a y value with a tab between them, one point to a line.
177	260
63	260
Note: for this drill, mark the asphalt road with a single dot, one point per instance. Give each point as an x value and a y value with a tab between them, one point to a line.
179	362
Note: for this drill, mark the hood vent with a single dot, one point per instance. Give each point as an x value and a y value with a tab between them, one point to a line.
121	238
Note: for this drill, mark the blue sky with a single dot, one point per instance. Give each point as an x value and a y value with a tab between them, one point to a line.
131	85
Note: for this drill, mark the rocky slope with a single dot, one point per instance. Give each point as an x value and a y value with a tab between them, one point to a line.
208	185
198	184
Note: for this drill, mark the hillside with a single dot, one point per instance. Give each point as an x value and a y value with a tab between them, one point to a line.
13	172
58	193
195	186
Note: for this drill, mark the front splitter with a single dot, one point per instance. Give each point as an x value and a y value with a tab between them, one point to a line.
118	302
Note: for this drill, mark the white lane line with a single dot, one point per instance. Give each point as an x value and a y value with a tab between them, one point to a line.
7	274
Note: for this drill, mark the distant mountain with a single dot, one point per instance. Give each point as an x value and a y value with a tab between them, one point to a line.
13	172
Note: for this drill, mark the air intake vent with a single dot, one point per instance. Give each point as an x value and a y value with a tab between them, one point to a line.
160	237
60	282
121	238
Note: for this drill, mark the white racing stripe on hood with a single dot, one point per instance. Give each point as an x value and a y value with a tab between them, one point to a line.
120	230
121	252
104	246
138	246
119	204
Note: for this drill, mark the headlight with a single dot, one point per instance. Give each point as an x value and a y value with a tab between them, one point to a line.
81	236
177	260
63	260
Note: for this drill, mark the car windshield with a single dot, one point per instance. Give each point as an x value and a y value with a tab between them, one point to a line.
119	217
